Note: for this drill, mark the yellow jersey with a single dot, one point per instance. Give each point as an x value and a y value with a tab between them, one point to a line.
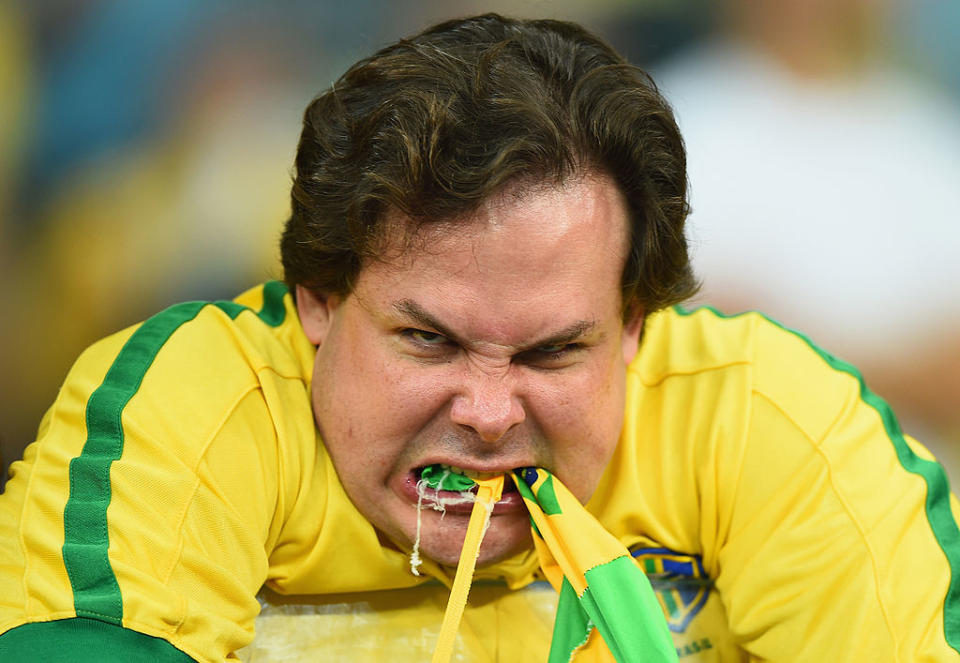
179	505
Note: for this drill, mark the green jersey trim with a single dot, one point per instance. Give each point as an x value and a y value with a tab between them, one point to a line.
937	505
83	640
96	593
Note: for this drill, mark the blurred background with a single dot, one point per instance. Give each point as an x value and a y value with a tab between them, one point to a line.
146	151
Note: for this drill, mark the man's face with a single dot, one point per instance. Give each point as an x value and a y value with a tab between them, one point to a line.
492	343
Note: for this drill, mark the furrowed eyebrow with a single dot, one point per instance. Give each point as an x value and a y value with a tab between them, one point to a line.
572	333
412	310
415	313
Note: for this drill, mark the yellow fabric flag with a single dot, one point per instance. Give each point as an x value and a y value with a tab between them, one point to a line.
607	609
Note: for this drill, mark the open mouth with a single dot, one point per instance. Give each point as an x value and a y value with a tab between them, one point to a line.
440	478
450	489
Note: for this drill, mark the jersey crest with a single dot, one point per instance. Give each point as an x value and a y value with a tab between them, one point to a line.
680	582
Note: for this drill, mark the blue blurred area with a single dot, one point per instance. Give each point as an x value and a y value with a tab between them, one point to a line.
97	85
928	35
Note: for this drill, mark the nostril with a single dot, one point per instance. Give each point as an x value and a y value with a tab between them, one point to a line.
490	418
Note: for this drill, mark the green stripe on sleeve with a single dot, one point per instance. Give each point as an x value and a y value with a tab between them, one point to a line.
937	505
95	589
273	311
84	641
96	592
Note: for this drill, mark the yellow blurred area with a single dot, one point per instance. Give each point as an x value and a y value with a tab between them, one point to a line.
14	80
14	88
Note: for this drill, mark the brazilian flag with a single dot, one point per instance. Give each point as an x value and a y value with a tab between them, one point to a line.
607	609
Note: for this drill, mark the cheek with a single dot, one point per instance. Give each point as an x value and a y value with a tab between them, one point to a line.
399	398
370	404
581	417
582	398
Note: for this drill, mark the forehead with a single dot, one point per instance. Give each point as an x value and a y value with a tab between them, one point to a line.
545	222
523	263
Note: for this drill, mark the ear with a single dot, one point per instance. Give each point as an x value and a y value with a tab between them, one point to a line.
316	313
632	326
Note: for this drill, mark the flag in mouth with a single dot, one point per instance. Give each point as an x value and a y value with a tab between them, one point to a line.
607	608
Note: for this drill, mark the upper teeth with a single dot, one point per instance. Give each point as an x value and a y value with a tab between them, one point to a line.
470	473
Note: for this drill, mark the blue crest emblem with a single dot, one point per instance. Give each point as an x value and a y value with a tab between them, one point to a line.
681	584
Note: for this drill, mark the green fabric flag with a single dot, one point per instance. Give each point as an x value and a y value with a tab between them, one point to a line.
602	590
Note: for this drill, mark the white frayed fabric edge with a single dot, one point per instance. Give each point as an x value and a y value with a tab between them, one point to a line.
437	503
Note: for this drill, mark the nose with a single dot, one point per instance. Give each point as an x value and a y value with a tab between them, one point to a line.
488	405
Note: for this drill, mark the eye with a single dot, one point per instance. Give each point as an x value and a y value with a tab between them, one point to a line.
554	349
555	355
423	337
427	345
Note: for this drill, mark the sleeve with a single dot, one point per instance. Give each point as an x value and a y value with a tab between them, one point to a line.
138	524
843	543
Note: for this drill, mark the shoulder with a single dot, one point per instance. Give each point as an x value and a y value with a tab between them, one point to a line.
180	375
774	362
259	328
168	465
231	339
704	387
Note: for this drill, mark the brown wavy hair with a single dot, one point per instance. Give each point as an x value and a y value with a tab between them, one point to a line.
434	124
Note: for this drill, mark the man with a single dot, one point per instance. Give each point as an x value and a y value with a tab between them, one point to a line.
486	219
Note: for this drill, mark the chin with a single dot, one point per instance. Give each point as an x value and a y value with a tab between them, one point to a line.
507	536
489	557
